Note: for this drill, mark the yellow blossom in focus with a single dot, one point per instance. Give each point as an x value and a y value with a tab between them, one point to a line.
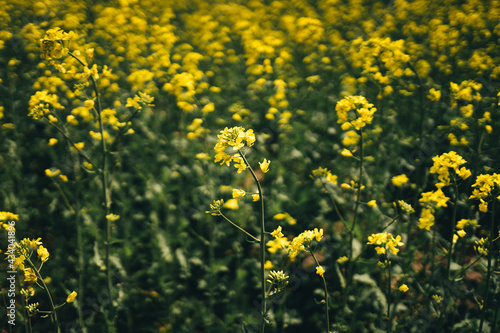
264	166
277	233
43	253
404	288
29	275
255	197
320	270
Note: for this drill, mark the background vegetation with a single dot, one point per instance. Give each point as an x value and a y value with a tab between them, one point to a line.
431	70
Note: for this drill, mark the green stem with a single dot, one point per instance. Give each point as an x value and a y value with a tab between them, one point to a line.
327	317
239	228
488	272
334	204
71	142
450	248
389	319
53	312
358	200
262	244
105	185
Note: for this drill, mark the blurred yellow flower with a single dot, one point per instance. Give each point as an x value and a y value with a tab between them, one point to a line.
71	297
231	204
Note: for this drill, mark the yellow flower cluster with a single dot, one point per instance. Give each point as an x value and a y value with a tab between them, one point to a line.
436	199
237	138
40	102
363	112
52	46
445	162
400	180
483	189
385	241
324	174
286	217
302	241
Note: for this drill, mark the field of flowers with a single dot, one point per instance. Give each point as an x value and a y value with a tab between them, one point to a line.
356	182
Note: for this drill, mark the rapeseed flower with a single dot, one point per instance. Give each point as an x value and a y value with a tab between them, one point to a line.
483	188
400	180
385	241
71	297
363	112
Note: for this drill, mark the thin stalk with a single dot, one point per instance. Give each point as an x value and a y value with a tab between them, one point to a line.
450	248
327	317
105	185
53	312
65	198
358	200
335	206
389	319
71	142
488	272
262	244
239	228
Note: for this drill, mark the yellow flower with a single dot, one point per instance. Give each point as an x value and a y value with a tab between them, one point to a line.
29	275
277	233
268	265
80	145
238	193
404	288
52	141
112	217
437	298
342	260
320	271
89	104
264	166
324	173
372	203
43	253
232	204
19	262
71	297
346	153
64	178
434	95
50	173
256	197
399	180
208	108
